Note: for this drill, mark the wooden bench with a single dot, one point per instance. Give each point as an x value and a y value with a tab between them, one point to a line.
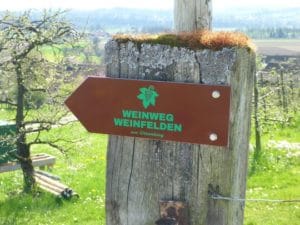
46	181
39	160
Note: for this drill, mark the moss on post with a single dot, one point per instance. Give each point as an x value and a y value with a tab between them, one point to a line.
202	39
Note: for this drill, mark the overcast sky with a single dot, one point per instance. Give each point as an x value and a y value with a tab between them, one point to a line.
153	4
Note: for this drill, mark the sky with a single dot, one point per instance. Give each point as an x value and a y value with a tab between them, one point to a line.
153	4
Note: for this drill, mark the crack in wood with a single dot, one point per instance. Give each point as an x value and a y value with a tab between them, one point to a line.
130	176
119	60
200	73
198	168
120	168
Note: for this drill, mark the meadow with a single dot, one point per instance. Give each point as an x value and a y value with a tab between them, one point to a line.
272	47
83	169
277	177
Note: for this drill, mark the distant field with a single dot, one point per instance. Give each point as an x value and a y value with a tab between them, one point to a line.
278	47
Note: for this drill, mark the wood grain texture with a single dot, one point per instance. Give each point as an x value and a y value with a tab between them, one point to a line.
191	15
142	172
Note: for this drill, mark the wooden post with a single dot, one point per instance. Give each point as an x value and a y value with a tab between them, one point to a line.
141	173
191	15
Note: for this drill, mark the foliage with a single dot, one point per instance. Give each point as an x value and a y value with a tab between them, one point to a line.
32	81
24	41
275	104
280	149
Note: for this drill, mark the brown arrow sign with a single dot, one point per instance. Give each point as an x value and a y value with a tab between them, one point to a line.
192	113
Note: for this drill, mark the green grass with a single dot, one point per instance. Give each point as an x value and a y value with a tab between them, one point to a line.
53	54
56	53
279	132
284	184
277	177
6	115
289	133
83	170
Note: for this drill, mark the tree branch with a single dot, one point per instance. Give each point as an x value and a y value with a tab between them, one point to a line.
38	129
38	90
51	144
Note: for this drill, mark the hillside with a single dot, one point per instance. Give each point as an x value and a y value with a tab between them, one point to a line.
145	19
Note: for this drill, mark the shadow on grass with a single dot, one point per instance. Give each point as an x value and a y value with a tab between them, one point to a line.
18	205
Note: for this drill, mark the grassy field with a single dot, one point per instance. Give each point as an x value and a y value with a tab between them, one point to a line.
83	168
277	177
287	47
56	53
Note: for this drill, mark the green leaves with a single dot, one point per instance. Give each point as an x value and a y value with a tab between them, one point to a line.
148	96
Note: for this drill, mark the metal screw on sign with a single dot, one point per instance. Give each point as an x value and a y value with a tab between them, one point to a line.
216	94
213	137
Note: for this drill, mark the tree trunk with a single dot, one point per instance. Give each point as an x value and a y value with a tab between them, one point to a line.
141	173
294	105
257	150
23	149
264	103
191	15
280	103
284	96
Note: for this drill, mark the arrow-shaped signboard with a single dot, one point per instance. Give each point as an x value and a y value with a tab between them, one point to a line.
192	113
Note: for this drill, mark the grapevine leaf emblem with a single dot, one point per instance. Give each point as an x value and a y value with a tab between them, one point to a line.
148	96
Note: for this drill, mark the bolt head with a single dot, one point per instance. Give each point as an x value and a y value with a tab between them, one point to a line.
216	94
213	137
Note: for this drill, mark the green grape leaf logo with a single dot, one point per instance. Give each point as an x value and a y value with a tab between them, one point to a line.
148	96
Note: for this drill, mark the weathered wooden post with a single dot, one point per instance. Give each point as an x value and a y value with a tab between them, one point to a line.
141	173
191	15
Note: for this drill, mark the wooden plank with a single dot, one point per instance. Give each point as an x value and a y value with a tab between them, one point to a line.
50	191
37	161
9	167
43	162
48	185
51	181
52	176
54	187
36	157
